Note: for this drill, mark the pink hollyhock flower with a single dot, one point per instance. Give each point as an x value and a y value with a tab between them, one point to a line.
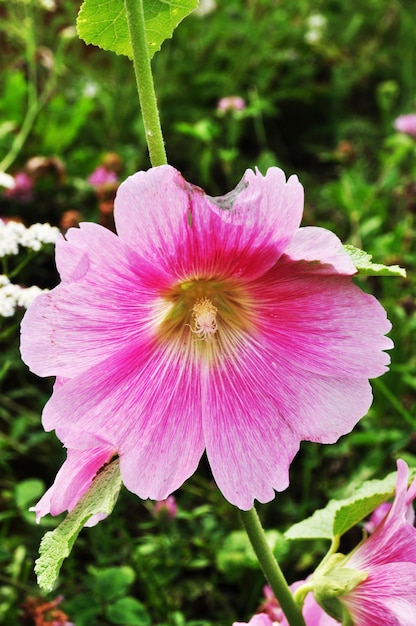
388	595
270	606
406	124
387	560
313	614
73	481
166	508
231	103
22	189
210	324
377	517
101	176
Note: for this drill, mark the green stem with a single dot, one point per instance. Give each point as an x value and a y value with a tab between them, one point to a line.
35	106
26	260
271	568
332	549
396	404
144	81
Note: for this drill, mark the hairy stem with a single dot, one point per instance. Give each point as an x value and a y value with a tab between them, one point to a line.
271	568
144	81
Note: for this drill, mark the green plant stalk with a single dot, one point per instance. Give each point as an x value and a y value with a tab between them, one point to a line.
271	568
396	404
27	259
36	104
144	81
33	104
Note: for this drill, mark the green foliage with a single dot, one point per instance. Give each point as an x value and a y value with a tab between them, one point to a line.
130	612
110	600
340	515
237	552
26	493
57	545
363	263
104	24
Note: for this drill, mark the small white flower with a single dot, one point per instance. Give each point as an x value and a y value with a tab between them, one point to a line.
14	234
8	297
205	7
315	24
28	294
90	89
10	234
48	5
38	234
6	181
13	296
317	21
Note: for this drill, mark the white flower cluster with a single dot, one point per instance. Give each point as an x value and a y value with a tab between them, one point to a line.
13	296
316	25
15	234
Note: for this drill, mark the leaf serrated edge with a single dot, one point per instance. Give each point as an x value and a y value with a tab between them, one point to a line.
76	519
333	506
364	265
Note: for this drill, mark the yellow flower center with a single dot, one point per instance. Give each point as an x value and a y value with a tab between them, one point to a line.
204	315
207	318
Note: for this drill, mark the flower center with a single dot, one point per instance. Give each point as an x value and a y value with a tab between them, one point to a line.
206	317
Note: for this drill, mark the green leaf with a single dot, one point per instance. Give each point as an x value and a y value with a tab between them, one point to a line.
27	492
104	23
128	611
112	582
57	545
341	515
237	552
364	265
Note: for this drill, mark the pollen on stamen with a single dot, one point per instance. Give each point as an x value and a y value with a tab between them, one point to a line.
204	315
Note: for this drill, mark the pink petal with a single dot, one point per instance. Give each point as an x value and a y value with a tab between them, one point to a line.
260	410
318	245
73	480
388	596
145	403
328	326
303	375
108	297
296	367
394	539
194	235
261	619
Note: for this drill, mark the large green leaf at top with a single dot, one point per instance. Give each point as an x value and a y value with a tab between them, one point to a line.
104	23
340	515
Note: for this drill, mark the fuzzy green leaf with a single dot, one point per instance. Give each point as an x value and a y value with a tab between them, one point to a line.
364	265
340	515
57	544
104	23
